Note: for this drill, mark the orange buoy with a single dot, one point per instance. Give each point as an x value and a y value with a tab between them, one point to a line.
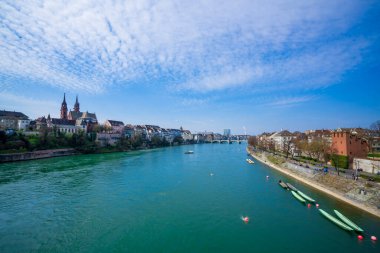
308	205
246	219
360	237
373	238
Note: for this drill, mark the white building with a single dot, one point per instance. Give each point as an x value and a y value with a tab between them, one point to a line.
116	126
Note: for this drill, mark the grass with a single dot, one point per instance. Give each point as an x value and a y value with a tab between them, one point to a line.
374	155
276	160
375	178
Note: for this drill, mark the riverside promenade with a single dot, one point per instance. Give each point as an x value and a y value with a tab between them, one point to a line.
349	194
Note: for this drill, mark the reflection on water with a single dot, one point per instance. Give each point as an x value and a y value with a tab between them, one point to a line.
165	201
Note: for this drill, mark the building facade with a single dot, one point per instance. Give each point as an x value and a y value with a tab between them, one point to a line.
13	120
348	143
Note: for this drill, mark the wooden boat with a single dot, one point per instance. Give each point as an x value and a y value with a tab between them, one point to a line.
283	185
298	197
291	187
335	220
348	221
303	195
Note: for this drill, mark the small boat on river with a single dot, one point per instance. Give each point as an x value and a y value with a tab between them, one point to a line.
303	195
335	220
250	161
189	152
298	197
348	222
291	187
283	185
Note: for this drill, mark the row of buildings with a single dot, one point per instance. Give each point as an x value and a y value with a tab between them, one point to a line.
74	121
349	142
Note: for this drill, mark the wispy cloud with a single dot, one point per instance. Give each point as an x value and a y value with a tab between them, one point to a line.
202	46
290	101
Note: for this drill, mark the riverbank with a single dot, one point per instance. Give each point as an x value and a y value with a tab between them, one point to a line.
40	154
347	194
50	153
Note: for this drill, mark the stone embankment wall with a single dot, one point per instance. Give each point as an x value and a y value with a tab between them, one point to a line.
367	165
36	155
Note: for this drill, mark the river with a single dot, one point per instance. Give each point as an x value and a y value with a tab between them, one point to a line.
166	201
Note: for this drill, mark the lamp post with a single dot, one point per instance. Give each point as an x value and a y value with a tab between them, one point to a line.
357	167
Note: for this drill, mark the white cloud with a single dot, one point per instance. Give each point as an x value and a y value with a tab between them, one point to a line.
204	45
290	101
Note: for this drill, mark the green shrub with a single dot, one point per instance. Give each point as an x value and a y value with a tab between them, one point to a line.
340	161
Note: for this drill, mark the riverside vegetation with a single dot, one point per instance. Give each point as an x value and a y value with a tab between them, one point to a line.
18	142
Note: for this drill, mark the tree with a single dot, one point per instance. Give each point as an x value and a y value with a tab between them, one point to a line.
287	145
252	141
272	146
178	139
375	126
136	141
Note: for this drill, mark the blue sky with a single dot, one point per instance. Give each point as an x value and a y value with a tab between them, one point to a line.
204	65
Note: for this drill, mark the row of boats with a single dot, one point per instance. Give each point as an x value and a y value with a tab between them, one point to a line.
342	222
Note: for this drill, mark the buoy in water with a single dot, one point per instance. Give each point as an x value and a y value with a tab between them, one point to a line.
267	177
309	205
373	238
245	219
360	237
317	205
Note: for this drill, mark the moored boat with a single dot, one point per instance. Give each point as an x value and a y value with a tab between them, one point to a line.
298	197
283	185
292	187
189	152
348	221
335	220
303	195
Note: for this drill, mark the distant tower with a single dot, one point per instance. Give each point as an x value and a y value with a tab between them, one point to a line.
76	106
227	132
64	108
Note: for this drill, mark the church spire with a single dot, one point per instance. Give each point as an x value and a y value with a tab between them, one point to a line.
76	105
64	107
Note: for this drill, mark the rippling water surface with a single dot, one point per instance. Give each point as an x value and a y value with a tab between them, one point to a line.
165	201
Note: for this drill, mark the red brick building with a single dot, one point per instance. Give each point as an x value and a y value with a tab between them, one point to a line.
348	143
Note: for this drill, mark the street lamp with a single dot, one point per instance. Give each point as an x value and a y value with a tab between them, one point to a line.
357	167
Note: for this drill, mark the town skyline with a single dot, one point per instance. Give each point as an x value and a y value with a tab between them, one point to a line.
236	67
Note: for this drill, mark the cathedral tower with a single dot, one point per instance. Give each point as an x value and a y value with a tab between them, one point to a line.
64	108
76	105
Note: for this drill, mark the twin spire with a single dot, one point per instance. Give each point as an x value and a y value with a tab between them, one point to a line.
64	107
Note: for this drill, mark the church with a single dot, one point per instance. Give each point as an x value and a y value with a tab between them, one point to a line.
74	120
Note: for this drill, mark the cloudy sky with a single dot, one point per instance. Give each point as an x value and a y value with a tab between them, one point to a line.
204	65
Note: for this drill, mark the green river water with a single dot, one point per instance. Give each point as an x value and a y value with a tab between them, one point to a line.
166	201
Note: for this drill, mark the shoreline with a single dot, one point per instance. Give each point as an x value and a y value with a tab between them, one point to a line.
52	153
322	188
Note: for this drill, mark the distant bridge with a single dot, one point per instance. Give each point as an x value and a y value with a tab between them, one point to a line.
228	141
